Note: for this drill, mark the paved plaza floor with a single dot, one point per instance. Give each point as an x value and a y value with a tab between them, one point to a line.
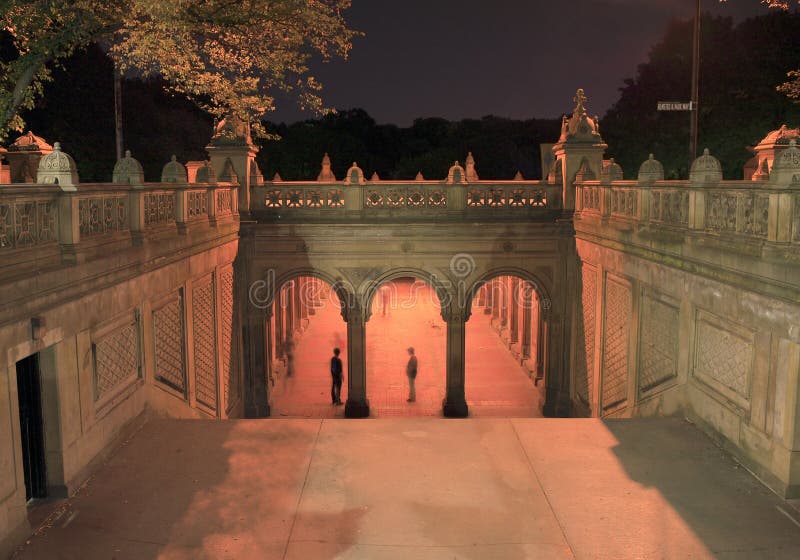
496	383
419	488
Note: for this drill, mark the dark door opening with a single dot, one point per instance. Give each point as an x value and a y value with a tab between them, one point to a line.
29	391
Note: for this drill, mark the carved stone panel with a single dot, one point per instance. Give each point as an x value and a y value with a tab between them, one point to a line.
658	342
205	354
230	371
723	357
584	354
168	341
116	358
616	332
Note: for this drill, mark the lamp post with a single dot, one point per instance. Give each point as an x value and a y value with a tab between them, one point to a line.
693	113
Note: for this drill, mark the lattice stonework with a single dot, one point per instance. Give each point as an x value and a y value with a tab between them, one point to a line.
116	359
658	343
615	344
230	372
584	355
205	356
168	334
724	358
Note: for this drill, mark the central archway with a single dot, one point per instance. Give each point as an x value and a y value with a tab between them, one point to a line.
405	313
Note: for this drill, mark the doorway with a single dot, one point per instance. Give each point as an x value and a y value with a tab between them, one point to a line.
29	392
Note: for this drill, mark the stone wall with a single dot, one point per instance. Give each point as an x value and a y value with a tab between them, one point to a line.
689	303
128	318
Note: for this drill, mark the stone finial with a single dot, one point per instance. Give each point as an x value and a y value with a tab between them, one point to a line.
206	174
518	176
651	171
355	176
231	131
174	172
705	170
472	175
228	174
611	171
277	178
456	174
555	173
786	169
326	174
375	178
585	172
419	176
128	171
580	127
256	178
58	168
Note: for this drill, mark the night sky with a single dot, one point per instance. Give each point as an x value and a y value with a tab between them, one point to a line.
510	58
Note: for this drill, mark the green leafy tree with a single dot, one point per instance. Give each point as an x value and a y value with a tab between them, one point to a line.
229	56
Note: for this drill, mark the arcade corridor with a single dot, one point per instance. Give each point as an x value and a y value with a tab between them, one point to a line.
496	384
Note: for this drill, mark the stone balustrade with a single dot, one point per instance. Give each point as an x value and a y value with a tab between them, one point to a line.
752	209
409	199
41	218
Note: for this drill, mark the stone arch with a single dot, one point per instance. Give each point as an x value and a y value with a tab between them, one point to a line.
543	291
444	295
262	292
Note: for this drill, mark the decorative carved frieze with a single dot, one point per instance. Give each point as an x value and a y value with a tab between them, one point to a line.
27	223
116	359
658	342
168	342
197	204
98	215
204	337
724	357
159	208
230	370
585	335
616	332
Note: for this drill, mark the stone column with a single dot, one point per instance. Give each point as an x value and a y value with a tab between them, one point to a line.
496	300
357	405
527	311
455	402
255	330
488	298
279	335
289	309
514	310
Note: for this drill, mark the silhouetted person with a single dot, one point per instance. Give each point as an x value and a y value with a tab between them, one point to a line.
336	377
411	372
288	348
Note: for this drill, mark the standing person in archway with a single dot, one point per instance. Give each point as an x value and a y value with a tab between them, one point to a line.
411	372
336	377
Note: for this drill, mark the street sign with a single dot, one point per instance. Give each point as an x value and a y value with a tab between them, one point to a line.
674	106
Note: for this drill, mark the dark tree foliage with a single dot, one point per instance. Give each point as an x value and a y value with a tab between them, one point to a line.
501	147
739	71
77	109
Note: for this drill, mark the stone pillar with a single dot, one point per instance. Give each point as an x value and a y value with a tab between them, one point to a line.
527	304
497	302
514	310
255	330
504	289
488	299
357	405
455	403
289	308
279	332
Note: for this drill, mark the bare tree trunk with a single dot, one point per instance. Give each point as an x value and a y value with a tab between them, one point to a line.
23	83
118	112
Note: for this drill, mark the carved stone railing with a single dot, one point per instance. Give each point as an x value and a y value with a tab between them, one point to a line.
751	209
404	200
36	218
28	217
